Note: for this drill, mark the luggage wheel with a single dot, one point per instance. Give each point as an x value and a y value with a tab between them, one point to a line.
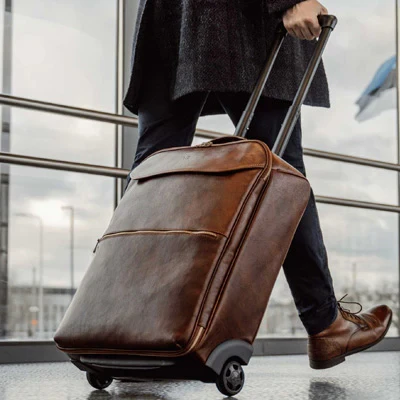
226	361
98	381
231	379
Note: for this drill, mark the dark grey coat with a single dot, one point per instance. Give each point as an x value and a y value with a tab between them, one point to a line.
220	45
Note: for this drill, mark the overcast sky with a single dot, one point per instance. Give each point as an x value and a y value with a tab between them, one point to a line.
64	52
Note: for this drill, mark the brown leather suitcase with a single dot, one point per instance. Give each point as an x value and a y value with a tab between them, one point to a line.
181	278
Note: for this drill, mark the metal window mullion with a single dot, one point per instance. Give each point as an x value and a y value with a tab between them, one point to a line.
119	93
5	140
69	111
28	161
398	151
122	173
366	162
133	122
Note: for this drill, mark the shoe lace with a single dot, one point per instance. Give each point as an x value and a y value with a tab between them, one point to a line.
352	315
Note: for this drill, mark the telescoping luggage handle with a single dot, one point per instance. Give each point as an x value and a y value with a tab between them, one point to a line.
328	23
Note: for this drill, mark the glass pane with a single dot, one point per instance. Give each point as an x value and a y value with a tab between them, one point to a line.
218	123
3	28
363	254
64	51
350	181
364	39
55	136
36	198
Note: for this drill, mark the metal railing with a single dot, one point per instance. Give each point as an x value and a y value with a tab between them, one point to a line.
19	159
122	173
69	111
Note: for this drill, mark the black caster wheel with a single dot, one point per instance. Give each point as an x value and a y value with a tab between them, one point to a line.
231	380
98	381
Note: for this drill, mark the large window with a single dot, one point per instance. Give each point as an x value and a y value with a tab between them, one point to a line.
62	52
65	52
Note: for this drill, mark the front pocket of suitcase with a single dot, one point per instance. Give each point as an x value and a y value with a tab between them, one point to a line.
142	292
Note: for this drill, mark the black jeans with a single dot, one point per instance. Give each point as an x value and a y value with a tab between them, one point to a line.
164	124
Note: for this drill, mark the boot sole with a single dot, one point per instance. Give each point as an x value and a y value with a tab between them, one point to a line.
339	359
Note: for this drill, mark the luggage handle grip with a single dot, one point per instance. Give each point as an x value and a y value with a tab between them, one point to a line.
325	21
328	23
223	140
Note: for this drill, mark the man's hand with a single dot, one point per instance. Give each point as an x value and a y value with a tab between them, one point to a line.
301	21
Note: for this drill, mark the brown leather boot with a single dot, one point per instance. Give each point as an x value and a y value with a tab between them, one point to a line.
348	334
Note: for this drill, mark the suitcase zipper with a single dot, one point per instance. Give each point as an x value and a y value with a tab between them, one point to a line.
127	233
205	144
196	340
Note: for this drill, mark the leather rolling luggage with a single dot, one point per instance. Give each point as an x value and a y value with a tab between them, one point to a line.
181	278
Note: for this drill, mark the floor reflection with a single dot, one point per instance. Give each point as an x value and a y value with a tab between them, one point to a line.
322	389
129	393
105	395
366	376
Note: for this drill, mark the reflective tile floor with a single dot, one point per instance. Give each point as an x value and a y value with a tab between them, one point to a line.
362	377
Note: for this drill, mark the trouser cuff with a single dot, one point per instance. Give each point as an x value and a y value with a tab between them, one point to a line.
315	321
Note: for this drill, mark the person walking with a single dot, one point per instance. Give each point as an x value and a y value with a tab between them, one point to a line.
202	57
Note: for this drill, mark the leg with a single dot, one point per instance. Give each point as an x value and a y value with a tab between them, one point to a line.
162	123
306	264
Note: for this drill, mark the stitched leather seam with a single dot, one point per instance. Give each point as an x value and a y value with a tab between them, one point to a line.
228	241
172	171
198	334
253	217
222	254
237	252
203	233
165	232
199	148
289	173
351	336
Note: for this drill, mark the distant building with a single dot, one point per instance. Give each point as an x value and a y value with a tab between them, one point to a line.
23	311
280	320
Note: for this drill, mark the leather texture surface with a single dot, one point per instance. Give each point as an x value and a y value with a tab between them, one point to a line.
349	333
252	274
191	254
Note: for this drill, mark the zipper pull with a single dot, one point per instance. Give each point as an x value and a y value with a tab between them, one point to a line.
95	247
204	144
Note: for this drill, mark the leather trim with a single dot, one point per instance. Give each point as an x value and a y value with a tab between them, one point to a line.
228	241
188	170
158	232
199	146
294	173
204	160
238	249
195	340
224	326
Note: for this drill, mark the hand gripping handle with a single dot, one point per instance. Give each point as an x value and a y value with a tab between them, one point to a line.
328	23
